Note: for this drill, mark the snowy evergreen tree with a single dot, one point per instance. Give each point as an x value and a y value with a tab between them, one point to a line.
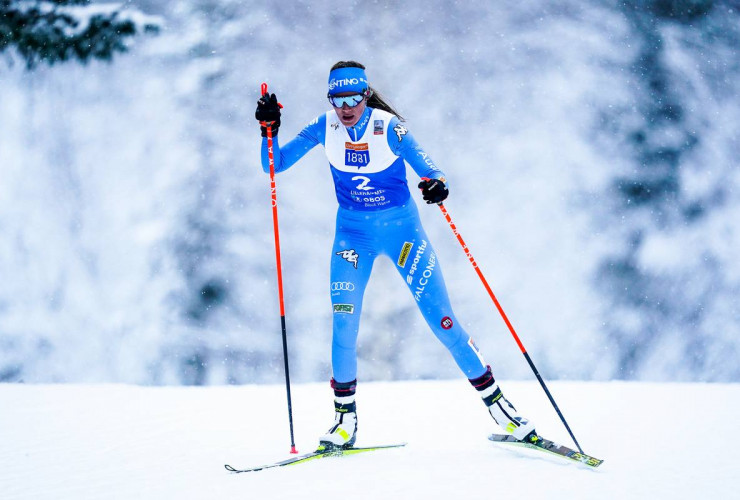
53	31
669	273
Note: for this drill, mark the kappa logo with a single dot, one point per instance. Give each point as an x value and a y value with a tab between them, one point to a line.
335	126
405	251
344	308
400	131
350	256
346	286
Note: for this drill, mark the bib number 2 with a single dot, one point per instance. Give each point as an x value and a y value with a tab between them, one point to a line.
363	186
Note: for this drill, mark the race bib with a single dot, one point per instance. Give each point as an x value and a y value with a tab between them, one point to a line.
356	155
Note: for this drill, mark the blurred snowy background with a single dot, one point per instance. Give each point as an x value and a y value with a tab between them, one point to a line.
592	150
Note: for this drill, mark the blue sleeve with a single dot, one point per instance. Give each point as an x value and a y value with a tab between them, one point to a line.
313	134
404	145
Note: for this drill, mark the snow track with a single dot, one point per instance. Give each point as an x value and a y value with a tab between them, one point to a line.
116	441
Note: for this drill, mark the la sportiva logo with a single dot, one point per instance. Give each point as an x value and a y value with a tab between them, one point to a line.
419	252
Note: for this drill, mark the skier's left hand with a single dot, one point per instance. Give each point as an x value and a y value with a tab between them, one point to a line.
433	190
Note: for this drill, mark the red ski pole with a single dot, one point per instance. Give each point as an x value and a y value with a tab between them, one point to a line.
506	320
273	192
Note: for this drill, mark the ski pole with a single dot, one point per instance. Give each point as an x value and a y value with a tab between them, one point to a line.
273	192
506	320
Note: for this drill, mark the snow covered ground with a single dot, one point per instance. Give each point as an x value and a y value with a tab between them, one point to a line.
116	441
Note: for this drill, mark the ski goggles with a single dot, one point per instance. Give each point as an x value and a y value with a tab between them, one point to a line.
350	100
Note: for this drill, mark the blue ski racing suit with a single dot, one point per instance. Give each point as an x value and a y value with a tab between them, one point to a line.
377	216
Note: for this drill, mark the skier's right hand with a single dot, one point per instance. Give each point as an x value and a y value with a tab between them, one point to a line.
268	112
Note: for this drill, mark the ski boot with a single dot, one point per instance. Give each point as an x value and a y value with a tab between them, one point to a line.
502	411
344	431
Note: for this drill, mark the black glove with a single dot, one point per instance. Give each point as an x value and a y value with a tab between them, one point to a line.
268	110
433	190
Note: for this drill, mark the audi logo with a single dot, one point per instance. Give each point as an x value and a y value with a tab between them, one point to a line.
342	285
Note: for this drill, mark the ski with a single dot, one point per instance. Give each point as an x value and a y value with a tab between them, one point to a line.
548	446
320	453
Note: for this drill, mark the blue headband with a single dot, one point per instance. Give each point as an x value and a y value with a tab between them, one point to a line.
347	80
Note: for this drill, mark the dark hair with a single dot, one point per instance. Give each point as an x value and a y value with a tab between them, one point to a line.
376	100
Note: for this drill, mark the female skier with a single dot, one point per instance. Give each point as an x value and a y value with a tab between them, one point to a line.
366	145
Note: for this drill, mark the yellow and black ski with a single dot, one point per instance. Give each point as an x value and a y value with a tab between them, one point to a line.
548	446
319	453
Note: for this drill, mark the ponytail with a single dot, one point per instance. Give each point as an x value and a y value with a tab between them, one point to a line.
378	101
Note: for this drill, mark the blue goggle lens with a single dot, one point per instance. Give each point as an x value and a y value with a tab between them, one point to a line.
350	100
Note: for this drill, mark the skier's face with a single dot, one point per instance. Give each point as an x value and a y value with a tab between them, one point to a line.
350	116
